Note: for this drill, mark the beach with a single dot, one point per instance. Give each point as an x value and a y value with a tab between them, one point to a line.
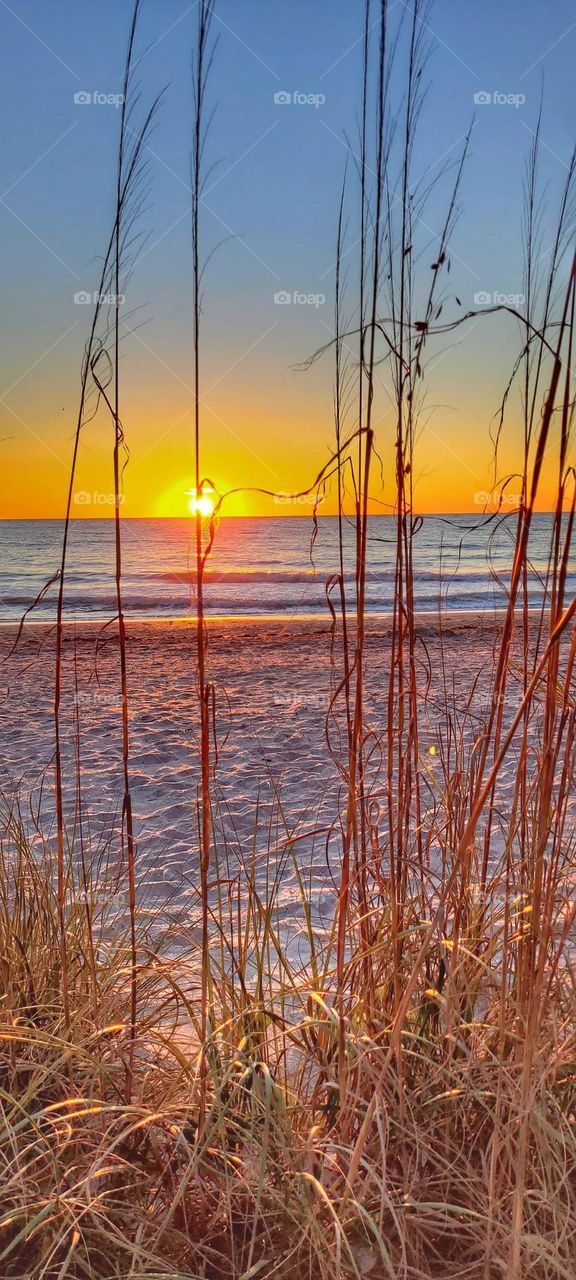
275	775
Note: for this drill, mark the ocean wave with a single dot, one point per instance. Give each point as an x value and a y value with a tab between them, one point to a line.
256	567
460	593
320	575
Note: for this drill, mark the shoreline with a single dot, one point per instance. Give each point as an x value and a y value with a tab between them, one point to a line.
373	621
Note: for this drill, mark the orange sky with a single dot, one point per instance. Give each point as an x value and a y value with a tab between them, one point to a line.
268	230
263	426
448	477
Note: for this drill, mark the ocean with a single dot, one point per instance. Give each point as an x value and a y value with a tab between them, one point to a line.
259	566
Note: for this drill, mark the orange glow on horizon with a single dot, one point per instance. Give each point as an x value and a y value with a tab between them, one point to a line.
453	472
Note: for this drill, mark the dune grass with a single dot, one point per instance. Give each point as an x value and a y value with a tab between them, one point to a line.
239	1155
400	1102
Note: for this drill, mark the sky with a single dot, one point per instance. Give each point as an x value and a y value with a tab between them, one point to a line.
269	214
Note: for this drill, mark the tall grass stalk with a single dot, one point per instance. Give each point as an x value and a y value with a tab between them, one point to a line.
105	369
98	371
202	65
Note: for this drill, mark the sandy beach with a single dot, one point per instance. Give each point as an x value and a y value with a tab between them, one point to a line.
274	772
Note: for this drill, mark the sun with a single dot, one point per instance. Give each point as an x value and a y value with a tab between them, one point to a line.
201	504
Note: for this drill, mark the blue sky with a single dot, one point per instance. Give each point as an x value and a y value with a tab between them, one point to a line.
272	199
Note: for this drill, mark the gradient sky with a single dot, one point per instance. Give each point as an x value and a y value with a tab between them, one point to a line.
273	199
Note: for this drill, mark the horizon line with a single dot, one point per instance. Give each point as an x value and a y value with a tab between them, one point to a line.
373	515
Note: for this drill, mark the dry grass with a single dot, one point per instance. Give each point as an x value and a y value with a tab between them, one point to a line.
276	1184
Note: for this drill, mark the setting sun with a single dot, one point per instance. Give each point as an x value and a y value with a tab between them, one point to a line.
203	504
